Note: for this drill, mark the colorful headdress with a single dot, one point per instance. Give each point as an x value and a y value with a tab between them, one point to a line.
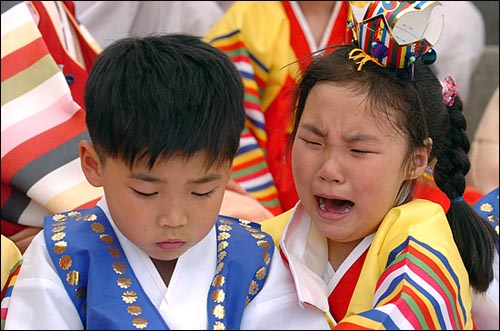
395	33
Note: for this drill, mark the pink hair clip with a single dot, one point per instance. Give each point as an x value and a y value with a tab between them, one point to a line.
450	91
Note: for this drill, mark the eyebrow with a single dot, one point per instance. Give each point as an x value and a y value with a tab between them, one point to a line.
314	129
152	179
206	179
350	138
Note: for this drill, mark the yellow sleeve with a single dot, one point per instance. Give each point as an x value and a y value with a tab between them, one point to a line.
276	225
10	258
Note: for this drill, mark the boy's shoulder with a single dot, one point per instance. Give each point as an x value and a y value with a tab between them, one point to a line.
252	226
245	232
244	255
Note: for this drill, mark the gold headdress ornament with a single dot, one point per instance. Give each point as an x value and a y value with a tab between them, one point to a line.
395	33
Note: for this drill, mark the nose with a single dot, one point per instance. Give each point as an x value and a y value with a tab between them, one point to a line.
331	170
172	220
172	215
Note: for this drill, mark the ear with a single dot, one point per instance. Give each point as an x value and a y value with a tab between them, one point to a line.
420	159
90	163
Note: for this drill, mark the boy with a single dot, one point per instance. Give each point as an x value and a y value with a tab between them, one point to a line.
164	114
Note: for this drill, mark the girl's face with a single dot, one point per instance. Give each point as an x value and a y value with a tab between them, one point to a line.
347	164
165	210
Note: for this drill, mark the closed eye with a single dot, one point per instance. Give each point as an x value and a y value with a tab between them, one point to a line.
357	151
144	195
205	194
308	142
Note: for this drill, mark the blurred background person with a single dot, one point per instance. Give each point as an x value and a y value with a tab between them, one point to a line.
111	20
46	57
484	153
271	42
461	44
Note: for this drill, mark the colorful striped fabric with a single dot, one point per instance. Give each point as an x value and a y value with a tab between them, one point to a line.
41	127
270	56
410	276
420	283
7	291
250	168
11	264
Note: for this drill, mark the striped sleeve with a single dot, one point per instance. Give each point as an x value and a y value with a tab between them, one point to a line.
41	128
250	168
11	264
418	290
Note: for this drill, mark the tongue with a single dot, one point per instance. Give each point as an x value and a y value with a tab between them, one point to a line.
336	206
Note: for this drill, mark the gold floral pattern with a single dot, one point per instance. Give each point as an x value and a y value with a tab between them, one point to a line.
97	227
119	267
60	246
106	238
486	207
219	326
65	262
59	217
140	322
218	293
261	273
129	297
134	310
58	236
58	228
219	311
222	245
218	280
73	277
264	244
124	281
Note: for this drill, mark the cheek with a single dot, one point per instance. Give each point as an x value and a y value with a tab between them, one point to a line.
123	221
381	178
208	206
301	162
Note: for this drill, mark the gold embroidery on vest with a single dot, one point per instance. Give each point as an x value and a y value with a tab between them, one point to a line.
124	281
60	246
73	276
65	262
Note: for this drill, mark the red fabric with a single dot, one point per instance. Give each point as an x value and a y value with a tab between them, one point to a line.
339	299
429	190
60	54
471	195
71	7
8	228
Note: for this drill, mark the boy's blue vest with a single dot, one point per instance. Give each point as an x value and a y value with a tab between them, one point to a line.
108	295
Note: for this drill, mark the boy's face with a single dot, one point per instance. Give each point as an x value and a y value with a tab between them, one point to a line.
165	210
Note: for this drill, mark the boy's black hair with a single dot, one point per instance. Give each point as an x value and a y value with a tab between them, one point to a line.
162	96
412	101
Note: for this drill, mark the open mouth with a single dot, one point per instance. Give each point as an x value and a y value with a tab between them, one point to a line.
334	205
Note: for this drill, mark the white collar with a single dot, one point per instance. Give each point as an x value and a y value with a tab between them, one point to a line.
307	252
186	295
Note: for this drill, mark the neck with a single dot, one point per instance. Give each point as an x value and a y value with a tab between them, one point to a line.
339	251
316	7
165	269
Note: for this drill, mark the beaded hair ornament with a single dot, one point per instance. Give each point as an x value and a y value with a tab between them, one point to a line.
395	33
449	90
